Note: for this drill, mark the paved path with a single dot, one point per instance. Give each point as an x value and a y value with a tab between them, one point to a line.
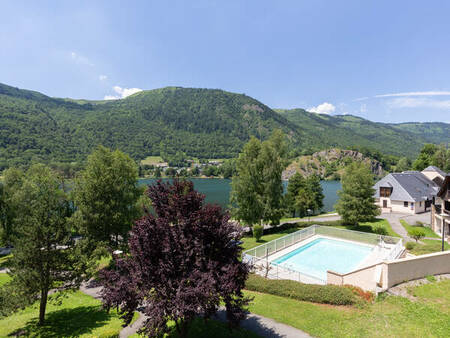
394	220
265	327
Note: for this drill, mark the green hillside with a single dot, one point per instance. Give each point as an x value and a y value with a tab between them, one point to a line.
348	131
203	123
200	122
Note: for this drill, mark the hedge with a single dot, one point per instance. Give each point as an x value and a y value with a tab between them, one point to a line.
325	294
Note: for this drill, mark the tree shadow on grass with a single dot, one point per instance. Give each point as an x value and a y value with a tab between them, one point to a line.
66	323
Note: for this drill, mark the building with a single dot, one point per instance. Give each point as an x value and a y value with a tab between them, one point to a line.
409	192
440	210
435	174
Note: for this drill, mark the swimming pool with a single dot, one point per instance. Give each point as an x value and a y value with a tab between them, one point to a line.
322	254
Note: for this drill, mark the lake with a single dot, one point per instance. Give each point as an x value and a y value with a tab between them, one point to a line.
217	190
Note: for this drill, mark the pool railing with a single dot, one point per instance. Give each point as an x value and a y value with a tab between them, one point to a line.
258	256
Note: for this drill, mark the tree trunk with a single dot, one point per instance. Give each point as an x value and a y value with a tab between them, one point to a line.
42	306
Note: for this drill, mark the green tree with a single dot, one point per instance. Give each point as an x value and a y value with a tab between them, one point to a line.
356	202
316	191
425	157
13	179
157	172
441	158
44	254
257	190
403	164
296	182
106	195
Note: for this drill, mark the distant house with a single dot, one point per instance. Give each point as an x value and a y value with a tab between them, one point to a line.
440	211
435	174
409	192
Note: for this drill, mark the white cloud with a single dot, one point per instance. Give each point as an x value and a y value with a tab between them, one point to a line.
411	102
323	108
80	59
122	93
429	93
102	77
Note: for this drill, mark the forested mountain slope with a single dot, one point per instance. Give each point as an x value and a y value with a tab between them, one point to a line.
205	123
347	131
200	122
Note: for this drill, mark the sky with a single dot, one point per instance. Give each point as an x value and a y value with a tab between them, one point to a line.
386	61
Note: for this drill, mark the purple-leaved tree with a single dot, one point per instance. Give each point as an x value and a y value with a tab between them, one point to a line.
183	262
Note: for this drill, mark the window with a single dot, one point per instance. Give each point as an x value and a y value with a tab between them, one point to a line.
385	192
420	203
405	204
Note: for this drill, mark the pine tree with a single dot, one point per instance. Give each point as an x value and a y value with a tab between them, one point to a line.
356	202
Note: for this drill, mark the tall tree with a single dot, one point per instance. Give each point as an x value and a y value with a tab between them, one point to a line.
184	262
303	194
441	158
106	195
403	164
314	187
8	211
356	202
296	182
44	254
257	189
425	157
247	186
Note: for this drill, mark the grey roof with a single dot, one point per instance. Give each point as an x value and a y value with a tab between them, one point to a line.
411	186
435	169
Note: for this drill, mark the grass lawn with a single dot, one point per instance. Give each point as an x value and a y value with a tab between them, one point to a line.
389	317
4	260
4	278
152	160
250	242
212	328
428	246
428	231
78	315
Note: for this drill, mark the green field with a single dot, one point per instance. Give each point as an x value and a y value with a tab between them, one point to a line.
389	316
152	160
428	246
78	315
428	231
4	278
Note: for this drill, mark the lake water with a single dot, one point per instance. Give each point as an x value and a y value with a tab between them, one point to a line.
218	190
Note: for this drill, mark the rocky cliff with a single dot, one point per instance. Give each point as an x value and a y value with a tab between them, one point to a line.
329	164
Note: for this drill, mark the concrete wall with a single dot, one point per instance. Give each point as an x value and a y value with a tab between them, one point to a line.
398	206
432	174
363	278
395	272
407	269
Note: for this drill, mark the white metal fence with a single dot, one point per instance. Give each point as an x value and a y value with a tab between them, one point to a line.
258	257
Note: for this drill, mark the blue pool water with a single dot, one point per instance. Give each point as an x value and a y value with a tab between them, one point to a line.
323	254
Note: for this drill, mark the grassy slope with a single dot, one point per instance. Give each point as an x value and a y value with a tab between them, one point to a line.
428	231
78	315
428	246
4	278
389	317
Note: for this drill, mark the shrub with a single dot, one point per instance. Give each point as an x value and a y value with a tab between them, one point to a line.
416	233
325	294
258	231
419	224
366	295
431	278
380	230
410	245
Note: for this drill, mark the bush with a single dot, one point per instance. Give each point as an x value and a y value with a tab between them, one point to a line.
419	224
416	233
366	295
325	294
258	231
410	245
380	230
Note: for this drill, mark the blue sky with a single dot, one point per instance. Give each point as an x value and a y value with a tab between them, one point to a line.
383	60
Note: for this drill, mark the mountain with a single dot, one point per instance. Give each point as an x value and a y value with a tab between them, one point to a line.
204	123
348	131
